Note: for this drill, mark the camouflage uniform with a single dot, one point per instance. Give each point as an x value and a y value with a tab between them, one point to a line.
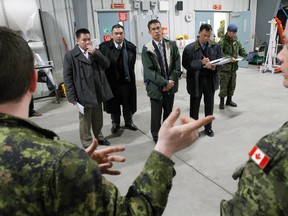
231	47
42	176
263	192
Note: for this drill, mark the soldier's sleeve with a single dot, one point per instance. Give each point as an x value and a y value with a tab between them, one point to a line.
263	191
242	51
78	188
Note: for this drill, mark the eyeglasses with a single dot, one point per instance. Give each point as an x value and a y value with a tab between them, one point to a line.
156	28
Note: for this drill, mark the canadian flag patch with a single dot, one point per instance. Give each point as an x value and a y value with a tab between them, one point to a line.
259	157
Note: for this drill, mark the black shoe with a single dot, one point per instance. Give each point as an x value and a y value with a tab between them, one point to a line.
209	132
115	128
33	113
131	126
221	105
104	142
231	103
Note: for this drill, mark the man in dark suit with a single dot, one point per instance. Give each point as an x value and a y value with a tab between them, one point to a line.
121	77
86	83
202	76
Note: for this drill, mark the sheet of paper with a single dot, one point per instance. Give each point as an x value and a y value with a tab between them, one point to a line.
80	108
221	61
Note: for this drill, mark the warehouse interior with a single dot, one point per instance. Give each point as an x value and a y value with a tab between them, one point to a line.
204	170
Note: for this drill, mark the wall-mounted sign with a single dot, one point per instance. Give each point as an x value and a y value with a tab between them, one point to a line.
217	7
118	5
107	37
122	16
165	31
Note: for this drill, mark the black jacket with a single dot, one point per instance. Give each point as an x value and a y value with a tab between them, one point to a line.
114	78
191	61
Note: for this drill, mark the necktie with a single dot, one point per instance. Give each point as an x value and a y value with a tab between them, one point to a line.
160	47
119	46
86	54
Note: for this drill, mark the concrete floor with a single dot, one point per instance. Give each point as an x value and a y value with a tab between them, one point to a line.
204	170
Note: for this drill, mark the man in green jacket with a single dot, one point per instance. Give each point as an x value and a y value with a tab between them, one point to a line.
232	48
161	65
40	175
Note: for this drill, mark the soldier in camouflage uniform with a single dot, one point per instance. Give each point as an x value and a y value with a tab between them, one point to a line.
263	180
231	47
40	175
262	189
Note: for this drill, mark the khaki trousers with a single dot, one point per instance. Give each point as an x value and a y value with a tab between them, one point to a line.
92	119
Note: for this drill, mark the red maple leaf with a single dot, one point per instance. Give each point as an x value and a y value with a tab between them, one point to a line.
258	156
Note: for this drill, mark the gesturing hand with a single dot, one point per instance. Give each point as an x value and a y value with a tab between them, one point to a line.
103	157
175	138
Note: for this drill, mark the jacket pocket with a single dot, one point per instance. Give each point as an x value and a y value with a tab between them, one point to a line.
153	91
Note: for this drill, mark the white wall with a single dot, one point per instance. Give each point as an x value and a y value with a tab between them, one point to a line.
176	19
59	21
177	22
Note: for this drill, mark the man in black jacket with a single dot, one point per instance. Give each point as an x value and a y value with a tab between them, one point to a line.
202	76
121	77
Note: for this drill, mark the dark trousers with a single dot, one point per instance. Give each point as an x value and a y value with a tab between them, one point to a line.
205	88
157	106
122	97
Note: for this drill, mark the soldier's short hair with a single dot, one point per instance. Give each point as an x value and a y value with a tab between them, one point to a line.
16	66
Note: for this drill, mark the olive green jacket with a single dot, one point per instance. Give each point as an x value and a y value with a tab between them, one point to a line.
153	79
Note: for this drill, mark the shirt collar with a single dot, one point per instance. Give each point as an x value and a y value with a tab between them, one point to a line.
116	44
83	51
203	45
157	43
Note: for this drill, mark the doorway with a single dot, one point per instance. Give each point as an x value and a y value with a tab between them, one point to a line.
218	20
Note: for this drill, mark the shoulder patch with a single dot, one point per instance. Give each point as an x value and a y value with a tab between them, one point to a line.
259	157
